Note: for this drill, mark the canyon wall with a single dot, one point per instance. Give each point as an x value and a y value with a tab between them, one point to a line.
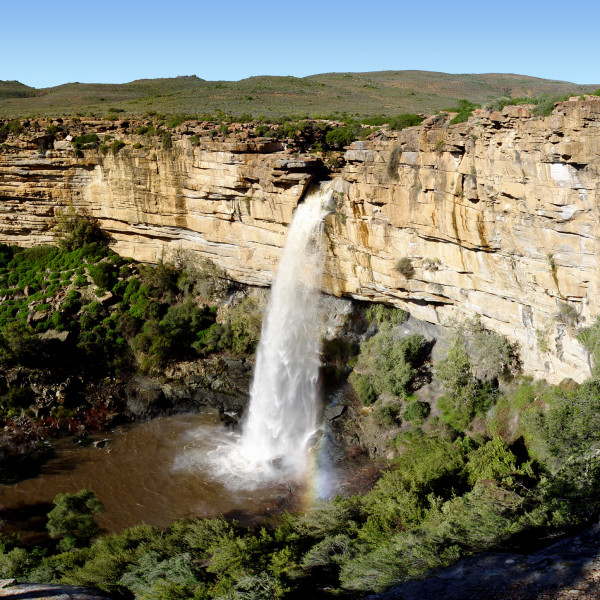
498	216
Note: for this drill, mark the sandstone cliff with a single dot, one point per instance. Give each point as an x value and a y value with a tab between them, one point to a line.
498	216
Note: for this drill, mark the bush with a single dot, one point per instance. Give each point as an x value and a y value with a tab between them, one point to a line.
386	316
72	519
545	103
570	427
17	343
464	109
364	388
75	231
117	146
389	364
342	136
405	120
589	337
416	412
405	267
103	275
86	141
493	460
388	414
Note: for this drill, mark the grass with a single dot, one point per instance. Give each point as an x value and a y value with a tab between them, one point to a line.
358	94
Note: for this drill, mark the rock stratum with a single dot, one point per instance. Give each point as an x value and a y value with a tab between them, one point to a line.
498	216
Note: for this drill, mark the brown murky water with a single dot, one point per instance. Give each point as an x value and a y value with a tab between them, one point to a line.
150	472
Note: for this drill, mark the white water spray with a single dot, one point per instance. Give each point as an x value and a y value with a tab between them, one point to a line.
282	415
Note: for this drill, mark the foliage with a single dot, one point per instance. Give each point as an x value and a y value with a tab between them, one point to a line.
503	101
75	230
72	519
589	337
569	427
405	120
86	141
237	333
476	360
545	103
385	315
342	136
464	109
388	363
405	267
116	146
416	411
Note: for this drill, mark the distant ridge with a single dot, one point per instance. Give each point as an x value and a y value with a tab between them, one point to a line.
15	89
368	93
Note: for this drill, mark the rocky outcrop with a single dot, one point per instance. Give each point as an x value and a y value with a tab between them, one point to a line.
568	569
40	591
497	216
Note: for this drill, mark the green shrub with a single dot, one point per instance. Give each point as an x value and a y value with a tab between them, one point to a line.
86	141
545	103
72	519
385	316
589	338
116	146
570	427
388	414
405	120
103	275
261	130
75	231
464	109
342	136
493	460
416	412
364	388
389	364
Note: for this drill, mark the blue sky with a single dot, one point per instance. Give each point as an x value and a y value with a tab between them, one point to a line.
48	43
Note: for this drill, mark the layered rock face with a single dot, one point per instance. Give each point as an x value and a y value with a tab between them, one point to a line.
497	216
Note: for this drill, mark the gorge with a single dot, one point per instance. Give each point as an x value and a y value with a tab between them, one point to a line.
442	448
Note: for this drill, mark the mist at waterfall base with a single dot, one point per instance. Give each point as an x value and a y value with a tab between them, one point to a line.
280	438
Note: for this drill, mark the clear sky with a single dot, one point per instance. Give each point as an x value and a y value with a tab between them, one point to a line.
46	43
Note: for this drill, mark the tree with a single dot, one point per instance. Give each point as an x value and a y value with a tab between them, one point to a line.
72	519
74	230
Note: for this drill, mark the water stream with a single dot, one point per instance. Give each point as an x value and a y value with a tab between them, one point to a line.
141	474
281	421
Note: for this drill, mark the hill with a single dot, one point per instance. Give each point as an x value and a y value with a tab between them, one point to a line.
364	94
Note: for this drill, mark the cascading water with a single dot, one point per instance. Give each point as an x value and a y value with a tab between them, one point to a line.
282	415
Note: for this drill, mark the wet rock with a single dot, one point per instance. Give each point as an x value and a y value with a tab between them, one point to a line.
333	412
145	397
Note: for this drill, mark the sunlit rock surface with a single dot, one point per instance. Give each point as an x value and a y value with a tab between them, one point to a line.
499	216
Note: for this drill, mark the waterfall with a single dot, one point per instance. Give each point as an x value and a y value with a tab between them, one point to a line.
282	416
